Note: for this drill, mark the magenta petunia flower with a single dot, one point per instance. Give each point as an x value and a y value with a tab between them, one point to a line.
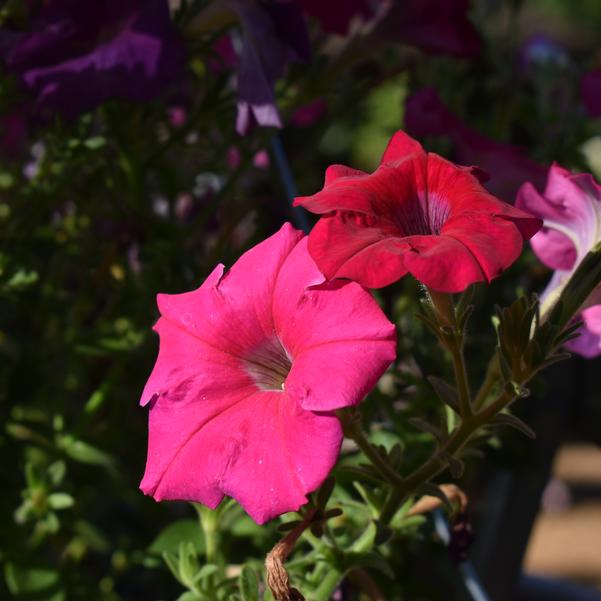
507	166
77	55
417	213
571	211
591	92
251	367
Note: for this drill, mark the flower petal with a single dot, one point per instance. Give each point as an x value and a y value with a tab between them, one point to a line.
264	451
391	187
232	311
335	172
588	344
400	147
442	263
344	248
353	368
189	369
481	234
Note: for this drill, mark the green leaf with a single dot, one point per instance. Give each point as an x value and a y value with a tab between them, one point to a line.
170	537
383	533
92	536
52	522
456	466
57	471
506	419
22	580
325	490
425	426
60	500
207	570
86	453
188	562
188	596
434	491
95	143
23	278
287	526
249	584
445	392
173	565
362	473
374	500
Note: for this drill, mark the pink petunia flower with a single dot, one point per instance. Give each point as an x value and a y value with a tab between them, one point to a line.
571	211
417	213
507	165
251	367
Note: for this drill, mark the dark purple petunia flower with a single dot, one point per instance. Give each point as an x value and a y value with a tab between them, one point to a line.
336	16
508	166
77	54
591	92
273	34
434	26
13	133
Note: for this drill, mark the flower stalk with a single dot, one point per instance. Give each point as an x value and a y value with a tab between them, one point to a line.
452	338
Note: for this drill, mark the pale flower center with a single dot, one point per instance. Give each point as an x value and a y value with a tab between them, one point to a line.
268	365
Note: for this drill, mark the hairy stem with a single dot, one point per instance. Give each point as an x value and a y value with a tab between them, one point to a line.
453	342
353	430
438	461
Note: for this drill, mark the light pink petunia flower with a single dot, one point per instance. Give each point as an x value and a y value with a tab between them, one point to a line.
251	367
571	210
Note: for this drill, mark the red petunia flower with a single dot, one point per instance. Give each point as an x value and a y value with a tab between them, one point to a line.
417	213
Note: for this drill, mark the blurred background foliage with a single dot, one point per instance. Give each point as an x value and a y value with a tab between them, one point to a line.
100	212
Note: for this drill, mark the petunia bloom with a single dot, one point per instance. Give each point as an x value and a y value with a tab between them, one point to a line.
507	165
417	213
571	211
273	35
591	92
434	26
77	55
336	16
251	367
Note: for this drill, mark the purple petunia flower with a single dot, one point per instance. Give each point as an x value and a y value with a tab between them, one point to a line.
273	34
433	26
336	16
591	92
77	55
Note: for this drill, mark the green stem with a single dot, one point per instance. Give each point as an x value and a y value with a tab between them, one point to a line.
353	430
209	523
328	585
438	462
492	374
453	342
